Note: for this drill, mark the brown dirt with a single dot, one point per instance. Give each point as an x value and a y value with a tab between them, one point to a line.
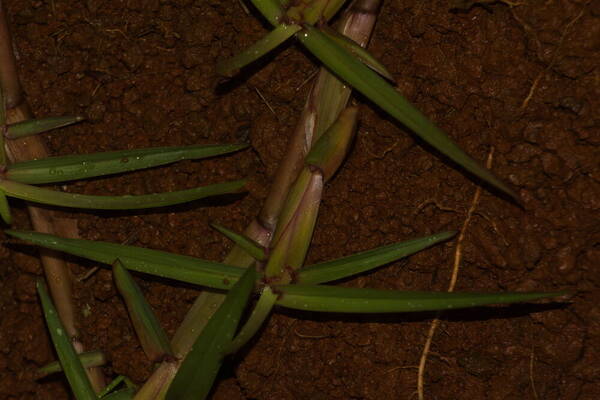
142	71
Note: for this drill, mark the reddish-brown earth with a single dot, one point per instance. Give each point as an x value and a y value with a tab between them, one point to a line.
524	80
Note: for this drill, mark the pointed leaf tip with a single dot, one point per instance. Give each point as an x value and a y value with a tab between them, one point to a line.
277	36
88	359
165	265
82	166
35	126
363	79
153	338
248	245
352	300
127	202
359	52
367	260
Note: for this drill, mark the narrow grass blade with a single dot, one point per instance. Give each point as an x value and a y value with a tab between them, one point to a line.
351	300
320	110
330	150
277	36
385	96
209	301
357	51
153	338
327	98
270	9
360	262
74	371
261	311
34	126
121	394
201	365
356	23
88	359
127	202
159	263
5	209
68	168
256	232
250	246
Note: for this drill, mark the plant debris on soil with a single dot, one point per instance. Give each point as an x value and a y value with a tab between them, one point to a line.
521	77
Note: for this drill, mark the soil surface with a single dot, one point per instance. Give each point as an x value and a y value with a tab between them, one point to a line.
521	79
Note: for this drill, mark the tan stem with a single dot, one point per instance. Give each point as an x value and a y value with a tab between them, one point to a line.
327	98
327	93
56	270
8	72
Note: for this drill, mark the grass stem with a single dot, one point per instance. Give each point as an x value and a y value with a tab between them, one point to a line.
55	269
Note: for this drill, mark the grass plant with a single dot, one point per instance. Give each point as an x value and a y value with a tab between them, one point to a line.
268	259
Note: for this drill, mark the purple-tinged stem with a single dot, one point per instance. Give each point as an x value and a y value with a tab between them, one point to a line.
327	98
57	273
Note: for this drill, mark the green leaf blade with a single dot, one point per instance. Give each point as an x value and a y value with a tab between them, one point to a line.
159	263
255	321
359	52
273	39
5	209
34	126
364	261
201	365
127	202
153	338
83	166
88	359
250	246
385	96
109	390
270	9
324	298
74	371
